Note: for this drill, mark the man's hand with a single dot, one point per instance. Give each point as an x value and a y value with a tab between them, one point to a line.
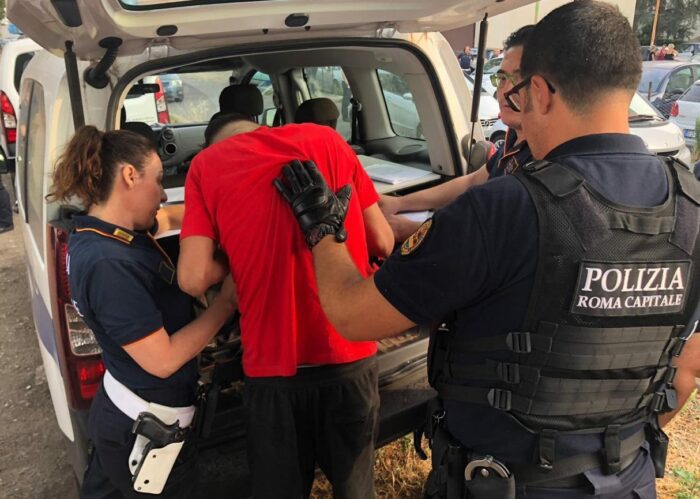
318	210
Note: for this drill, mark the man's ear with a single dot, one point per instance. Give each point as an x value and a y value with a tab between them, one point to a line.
540	94
129	175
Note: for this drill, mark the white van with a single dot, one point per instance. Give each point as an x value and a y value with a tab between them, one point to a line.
283	46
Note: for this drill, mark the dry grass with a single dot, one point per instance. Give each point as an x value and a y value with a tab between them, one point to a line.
399	473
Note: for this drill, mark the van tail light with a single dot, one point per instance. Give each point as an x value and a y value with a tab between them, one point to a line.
161	104
9	120
674	109
82	354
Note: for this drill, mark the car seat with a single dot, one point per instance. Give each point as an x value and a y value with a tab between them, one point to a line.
320	110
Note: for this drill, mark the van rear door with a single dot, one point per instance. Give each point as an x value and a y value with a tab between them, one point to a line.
200	24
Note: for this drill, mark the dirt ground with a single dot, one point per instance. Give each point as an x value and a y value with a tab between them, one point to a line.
34	463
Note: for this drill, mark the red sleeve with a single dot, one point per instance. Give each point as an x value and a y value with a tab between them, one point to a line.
364	188
197	220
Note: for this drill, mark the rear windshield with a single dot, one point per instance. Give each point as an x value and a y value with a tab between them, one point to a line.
693	94
166	4
653	76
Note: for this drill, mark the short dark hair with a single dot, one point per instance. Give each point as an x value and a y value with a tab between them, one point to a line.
518	37
584	49
219	121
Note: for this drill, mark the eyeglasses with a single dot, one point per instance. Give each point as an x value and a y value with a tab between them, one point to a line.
499	78
512	96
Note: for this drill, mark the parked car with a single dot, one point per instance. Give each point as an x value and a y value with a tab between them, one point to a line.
689	51
14	58
172	85
660	136
686	112
488	106
663	82
216	38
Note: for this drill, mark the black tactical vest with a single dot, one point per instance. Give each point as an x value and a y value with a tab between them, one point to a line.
614	292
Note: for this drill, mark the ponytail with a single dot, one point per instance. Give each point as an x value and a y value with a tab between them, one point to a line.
90	163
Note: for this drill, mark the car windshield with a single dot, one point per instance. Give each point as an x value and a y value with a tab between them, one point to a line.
470	84
653	76
640	109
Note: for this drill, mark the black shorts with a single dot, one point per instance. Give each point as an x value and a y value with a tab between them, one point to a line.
325	416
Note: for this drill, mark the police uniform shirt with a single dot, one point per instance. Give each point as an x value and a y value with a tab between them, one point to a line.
509	157
478	257
124	286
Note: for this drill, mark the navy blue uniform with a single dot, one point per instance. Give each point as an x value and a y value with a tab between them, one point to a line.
509	157
485	271
125	288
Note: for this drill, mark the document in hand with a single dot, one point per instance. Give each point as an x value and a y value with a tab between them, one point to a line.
392	173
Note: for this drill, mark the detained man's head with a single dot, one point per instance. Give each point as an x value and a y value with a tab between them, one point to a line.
222	126
573	84
509	74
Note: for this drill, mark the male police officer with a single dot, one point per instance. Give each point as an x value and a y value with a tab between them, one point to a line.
570	287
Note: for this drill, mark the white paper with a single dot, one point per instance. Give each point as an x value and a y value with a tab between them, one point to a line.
417	216
393	173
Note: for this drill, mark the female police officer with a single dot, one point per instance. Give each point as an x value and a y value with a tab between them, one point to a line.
124	286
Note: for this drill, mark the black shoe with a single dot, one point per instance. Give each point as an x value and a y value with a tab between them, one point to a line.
6	228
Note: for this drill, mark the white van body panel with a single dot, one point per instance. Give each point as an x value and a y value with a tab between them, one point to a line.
216	25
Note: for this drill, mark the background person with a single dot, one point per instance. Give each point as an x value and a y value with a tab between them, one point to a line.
124	287
311	395
528	372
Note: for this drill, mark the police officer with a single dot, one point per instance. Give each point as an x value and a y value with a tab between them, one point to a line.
568	288
512	154
123	285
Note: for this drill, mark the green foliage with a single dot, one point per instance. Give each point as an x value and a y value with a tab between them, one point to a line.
689	484
678	20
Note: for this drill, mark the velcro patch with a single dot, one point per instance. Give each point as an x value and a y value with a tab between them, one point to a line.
606	289
416	239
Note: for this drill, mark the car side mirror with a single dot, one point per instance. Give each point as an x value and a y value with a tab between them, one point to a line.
268	116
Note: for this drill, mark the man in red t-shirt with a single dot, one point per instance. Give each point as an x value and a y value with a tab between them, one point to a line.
312	395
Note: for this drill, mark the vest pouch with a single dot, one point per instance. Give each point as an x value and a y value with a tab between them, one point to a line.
437	351
658	448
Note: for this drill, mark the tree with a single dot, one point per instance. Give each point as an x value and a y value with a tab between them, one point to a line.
678	20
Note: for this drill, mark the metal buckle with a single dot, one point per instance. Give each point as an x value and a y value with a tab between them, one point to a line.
486	463
499	399
519	342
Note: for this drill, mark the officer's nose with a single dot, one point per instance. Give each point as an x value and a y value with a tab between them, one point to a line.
163	195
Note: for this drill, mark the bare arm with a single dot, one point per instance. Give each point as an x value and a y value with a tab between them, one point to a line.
380	238
162	355
354	305
170	217
435	197
199	265
688	365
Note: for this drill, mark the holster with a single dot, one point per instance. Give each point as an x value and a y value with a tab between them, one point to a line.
446	478
492	486
658	447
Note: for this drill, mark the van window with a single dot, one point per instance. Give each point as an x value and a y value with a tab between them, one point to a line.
264	84
400	106
24	97
200	96
21	63
330	82
34	163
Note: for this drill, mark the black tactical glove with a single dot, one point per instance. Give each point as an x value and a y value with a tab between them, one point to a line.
318	210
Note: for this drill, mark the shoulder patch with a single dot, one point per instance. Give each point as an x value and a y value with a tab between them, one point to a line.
123	235
416	239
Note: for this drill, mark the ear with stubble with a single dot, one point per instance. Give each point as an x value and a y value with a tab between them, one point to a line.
539	95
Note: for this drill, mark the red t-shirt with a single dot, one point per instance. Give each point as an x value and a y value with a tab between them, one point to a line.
229	197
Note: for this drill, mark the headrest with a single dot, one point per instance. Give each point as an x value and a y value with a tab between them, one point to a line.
142	129
320	110
243	99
